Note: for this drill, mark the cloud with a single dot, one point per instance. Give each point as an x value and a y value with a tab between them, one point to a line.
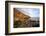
34	12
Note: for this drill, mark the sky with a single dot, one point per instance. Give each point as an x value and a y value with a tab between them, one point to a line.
32	12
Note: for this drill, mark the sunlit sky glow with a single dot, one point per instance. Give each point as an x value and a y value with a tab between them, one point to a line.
34	12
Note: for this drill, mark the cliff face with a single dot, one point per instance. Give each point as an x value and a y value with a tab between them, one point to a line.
20	16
